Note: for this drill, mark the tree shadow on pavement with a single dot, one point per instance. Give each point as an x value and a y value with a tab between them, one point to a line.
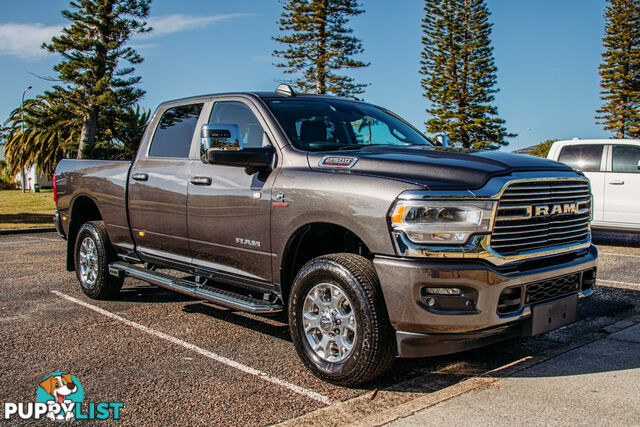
614	353
274	326
151	294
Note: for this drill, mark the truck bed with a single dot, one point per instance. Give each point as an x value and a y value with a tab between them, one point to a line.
105	183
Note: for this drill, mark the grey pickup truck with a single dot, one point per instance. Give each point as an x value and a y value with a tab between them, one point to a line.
375	241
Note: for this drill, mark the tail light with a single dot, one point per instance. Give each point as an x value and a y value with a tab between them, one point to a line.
55	189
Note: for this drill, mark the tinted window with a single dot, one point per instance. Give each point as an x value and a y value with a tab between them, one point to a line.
586	158
323	124
626	158
175	131
239	114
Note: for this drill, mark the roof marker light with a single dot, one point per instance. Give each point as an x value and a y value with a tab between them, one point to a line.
285	90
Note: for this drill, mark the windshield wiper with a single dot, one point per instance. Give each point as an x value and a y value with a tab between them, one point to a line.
350	147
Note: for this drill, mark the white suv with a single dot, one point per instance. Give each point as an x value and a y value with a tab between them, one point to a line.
613	167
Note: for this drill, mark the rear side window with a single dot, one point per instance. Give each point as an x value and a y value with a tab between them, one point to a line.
586	158
175	131
626	158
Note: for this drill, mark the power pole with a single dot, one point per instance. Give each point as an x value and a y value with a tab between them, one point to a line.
22	132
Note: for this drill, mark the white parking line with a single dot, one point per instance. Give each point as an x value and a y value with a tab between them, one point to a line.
201	351
637	285
624	255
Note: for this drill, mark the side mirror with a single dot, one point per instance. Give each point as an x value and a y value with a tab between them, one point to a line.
219	137
639	165
251	158
443	140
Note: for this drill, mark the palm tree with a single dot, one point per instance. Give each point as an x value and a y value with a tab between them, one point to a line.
48	130
43	132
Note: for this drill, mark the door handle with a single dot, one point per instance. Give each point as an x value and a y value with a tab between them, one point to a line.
616	182
140	176
200	180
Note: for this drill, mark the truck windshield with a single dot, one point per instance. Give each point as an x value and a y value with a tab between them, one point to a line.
322	124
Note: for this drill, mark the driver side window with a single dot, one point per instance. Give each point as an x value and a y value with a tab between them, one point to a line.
233	112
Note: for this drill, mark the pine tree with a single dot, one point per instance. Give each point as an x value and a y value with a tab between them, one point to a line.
91	48
620	69
319	43
460	75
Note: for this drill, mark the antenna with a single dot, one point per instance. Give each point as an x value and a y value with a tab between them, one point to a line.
285	90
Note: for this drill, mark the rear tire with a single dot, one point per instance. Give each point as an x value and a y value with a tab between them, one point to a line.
338	320
92	255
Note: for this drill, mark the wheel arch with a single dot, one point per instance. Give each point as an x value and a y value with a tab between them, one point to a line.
312	240
83	209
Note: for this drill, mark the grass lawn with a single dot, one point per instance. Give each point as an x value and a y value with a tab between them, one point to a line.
26	210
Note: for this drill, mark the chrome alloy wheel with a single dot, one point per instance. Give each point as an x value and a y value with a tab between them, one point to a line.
329	322
88	262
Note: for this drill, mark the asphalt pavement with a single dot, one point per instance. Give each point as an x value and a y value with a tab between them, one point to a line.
172	359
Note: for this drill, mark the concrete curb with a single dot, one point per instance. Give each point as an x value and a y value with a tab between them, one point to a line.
27	230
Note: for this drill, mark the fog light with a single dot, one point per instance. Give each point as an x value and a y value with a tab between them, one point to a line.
461	299
442	291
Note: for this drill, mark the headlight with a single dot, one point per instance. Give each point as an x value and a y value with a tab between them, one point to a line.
441	221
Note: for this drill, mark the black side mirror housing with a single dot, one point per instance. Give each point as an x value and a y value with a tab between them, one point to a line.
255	158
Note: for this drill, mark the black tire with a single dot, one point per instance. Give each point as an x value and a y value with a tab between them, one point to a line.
104	286
373	348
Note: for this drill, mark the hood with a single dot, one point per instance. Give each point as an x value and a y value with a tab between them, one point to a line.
431	167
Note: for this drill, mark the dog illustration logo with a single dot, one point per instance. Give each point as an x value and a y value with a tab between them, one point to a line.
61	391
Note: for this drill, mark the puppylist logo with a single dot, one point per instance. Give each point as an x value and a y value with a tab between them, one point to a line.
60	397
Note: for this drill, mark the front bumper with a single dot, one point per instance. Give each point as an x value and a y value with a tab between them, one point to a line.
421	331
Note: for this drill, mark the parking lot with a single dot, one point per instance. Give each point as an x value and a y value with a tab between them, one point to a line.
170	358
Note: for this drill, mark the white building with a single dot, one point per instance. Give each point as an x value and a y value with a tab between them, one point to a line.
34	176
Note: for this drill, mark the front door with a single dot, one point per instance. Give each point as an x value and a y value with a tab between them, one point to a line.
622	186
158	187
228	208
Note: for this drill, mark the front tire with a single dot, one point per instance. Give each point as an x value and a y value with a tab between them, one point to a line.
93	252
338	320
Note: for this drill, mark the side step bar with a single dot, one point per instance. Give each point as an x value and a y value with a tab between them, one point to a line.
217	296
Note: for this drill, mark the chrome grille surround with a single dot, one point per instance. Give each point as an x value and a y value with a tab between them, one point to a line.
541	214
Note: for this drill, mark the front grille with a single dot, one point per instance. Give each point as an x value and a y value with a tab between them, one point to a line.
551	288
513	299
518	229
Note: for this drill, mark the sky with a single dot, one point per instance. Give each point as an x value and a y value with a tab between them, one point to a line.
547	53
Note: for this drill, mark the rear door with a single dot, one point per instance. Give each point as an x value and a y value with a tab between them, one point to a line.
158	187
228	211
589	158
622	186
